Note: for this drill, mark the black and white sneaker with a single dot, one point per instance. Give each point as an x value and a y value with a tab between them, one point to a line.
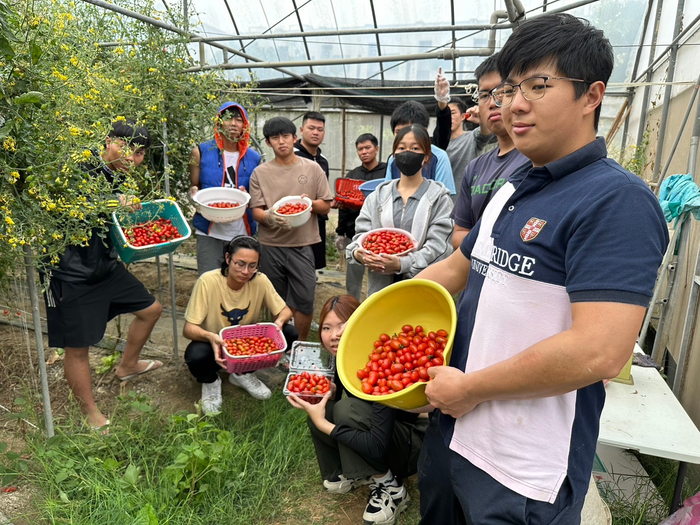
385	504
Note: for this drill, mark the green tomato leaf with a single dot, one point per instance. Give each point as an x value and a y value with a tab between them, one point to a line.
30	97
5	48
35	52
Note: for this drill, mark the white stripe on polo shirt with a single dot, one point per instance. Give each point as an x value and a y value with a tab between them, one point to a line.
495	436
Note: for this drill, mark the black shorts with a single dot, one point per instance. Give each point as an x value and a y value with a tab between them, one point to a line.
77	313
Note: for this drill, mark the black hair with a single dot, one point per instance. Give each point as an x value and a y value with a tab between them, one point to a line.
410	112
278	126
129	131
233	111
572	45
365	137
239	243
313	115
489	65
421	135
461	106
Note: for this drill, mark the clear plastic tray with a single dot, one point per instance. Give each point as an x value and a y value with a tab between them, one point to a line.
312	357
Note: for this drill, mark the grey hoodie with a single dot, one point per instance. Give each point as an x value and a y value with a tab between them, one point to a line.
432	227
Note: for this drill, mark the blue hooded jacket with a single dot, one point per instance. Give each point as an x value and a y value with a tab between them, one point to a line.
213	170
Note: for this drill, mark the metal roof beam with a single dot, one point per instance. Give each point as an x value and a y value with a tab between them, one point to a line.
192	36
445	54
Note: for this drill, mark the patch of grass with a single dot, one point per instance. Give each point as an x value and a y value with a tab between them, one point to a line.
238	467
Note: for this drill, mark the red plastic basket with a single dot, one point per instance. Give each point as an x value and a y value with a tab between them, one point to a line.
241	364
347	191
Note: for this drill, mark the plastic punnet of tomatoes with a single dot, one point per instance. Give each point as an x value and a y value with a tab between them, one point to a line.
308	385
305	361
389	241
310	356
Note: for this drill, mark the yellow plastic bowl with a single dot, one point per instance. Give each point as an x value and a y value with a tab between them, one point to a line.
414	302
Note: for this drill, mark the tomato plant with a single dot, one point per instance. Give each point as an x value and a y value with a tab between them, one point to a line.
401	360
61	91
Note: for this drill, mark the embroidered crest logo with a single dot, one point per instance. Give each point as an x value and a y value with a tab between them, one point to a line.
532	229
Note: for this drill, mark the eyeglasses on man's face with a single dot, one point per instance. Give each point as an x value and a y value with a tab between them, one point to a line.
483	96
242	265
531	88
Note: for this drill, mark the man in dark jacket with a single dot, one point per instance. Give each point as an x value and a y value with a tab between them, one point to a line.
89	286
312	132
367	149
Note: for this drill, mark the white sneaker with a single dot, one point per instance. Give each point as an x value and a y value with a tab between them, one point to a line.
385	504
211	397
345	485
251	384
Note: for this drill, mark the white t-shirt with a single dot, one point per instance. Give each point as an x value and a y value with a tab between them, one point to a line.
229	230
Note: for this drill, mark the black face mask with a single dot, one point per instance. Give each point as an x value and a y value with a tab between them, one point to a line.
409	162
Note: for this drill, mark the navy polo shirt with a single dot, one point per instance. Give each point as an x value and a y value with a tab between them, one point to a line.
578	229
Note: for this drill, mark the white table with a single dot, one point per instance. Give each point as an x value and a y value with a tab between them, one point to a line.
647	417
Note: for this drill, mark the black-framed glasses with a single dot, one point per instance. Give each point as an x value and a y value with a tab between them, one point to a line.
242	265
482	96
532	89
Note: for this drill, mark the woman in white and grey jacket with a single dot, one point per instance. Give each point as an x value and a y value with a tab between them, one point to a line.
412	203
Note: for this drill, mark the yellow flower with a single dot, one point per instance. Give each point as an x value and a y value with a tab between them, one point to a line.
9	221
87	154
9	144
74	61
59	75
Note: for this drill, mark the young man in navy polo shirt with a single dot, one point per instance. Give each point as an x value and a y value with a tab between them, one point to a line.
560	268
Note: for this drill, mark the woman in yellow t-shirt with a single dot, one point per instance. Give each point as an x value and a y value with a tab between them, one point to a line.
231	296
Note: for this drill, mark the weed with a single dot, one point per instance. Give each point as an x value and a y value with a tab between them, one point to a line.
107	363
184	468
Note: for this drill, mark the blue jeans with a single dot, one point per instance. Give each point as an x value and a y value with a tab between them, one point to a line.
453	491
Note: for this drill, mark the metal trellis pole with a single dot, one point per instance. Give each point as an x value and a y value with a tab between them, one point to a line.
171	263
39	338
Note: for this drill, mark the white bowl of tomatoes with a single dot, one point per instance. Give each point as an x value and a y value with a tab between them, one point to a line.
387	241
295	209
221	205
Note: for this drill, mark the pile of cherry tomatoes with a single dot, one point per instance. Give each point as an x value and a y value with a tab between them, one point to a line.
352	195
402	360
250	345
292	208
224	204
309	387
387	242
153	232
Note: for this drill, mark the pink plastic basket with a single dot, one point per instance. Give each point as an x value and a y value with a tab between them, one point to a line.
240	364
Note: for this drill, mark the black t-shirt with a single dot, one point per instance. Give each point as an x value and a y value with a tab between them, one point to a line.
346	216
94	262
